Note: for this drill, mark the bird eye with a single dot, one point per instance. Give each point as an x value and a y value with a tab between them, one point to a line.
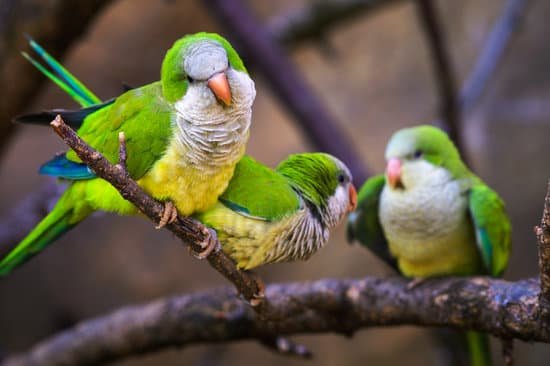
190	79
341	178
417	154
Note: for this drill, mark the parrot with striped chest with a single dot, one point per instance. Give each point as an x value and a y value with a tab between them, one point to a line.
286	214
184	137
431	216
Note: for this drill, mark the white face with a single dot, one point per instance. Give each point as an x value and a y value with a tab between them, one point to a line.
420	172
199	104
338	205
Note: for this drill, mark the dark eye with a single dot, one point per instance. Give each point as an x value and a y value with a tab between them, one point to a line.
417	154
190	79
341	178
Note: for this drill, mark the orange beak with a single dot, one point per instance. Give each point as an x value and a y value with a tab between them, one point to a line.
220	87
393	173
352	198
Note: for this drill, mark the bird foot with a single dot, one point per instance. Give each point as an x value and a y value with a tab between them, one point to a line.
415	283
209	245
259	296
169	215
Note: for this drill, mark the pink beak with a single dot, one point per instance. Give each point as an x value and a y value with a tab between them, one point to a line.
352	198
393	172
220	87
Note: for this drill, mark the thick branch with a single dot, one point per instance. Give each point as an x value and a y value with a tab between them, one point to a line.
504	309
449	111
285	80
543	236
314	20
188	230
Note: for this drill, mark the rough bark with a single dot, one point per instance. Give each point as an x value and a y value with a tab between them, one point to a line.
504	309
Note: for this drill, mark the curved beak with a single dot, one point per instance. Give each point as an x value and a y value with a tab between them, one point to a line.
352	198
220	87
393	173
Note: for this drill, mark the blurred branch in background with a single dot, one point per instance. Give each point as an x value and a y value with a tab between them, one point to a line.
286	81
39	18
446	86
19	221
492	53
313	21
504	309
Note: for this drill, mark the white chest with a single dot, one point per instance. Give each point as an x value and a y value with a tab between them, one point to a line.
427	213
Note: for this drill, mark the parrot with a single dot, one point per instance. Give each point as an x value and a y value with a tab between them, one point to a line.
430	216
267	216
184	135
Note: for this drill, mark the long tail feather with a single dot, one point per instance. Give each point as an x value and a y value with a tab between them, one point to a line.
60	220
479	349
61	76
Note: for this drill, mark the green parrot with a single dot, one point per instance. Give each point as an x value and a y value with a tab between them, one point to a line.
285	214
184	137
431	216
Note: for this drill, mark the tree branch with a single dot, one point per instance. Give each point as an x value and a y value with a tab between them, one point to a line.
187	229
19	221
504	309
492	53
314	20
449	109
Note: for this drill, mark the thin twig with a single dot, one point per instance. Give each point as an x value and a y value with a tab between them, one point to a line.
270	59
543	238
504	309
449	110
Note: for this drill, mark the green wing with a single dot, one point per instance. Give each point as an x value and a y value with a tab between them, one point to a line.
364	223
492	228
260	192
145	118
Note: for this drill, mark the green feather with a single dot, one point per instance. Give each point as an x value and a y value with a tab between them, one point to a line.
318	187
61	219
255	190
492	228
64	79
364	223
479	349
146	119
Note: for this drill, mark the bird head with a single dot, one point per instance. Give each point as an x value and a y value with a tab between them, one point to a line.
413	154
324	182
205	68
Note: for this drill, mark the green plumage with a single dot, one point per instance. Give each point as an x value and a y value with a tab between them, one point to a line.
268	215
257	191
155	120
439	219
146	119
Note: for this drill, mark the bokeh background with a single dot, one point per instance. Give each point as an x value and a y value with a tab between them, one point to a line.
376	77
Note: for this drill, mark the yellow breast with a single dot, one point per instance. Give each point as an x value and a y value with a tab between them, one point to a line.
191	188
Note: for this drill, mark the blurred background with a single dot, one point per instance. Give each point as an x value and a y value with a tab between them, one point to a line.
374	74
